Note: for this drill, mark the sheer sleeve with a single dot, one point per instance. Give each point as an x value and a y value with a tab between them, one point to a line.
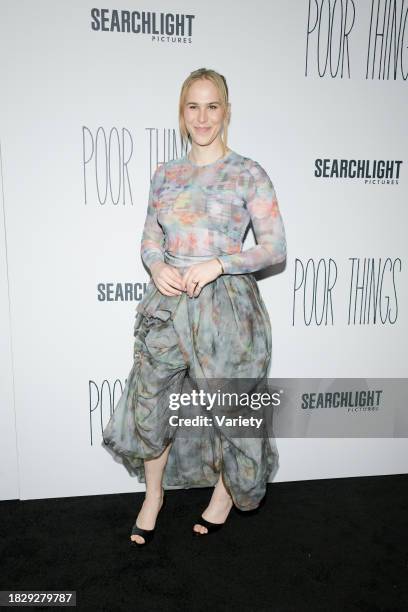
262	205
152	245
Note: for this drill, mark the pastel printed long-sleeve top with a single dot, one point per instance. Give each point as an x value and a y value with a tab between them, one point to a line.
205	210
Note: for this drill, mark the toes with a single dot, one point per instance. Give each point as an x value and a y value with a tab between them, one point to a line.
139	539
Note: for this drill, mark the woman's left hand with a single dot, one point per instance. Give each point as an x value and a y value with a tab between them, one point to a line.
199	275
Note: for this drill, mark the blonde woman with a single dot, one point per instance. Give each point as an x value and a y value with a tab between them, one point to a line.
202	316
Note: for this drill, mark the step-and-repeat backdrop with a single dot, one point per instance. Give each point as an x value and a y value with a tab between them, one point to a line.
89	102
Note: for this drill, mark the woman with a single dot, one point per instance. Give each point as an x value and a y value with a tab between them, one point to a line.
202	315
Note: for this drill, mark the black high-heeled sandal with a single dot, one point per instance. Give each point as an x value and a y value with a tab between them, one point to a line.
211	527
146	534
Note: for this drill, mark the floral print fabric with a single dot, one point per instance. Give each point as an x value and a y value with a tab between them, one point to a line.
205	210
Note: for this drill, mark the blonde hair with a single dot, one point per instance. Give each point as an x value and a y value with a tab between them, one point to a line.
221	85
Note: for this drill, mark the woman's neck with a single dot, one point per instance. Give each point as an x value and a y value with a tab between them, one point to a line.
201	157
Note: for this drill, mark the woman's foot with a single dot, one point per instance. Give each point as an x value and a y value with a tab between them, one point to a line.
146	519
218	509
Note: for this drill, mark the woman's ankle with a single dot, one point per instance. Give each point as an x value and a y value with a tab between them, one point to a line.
154	493
222	496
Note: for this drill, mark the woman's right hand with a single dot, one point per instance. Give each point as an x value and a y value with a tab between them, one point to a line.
167	279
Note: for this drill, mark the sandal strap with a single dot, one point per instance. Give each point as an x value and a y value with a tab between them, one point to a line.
210	526
146	534
139	531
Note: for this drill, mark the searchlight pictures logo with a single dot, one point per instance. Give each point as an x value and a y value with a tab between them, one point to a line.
368	171
160	27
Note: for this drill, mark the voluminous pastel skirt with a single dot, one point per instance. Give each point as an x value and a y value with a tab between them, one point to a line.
224	333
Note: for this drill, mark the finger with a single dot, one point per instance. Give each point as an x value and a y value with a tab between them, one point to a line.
192	287
167	287
167	277
191	276
189	286
176	271
173	284
162	289
185	281
188	273
198	289
175	279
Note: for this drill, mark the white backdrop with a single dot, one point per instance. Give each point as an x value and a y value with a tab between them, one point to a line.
71	274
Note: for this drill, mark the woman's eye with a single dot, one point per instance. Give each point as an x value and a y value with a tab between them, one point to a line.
212	106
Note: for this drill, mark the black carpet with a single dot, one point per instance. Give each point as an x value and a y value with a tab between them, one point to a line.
319	545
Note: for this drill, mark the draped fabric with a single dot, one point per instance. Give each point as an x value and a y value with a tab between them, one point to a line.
223	333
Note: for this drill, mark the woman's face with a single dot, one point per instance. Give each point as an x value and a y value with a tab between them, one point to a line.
203	113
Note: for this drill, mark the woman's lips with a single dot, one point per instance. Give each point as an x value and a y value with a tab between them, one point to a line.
202	130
